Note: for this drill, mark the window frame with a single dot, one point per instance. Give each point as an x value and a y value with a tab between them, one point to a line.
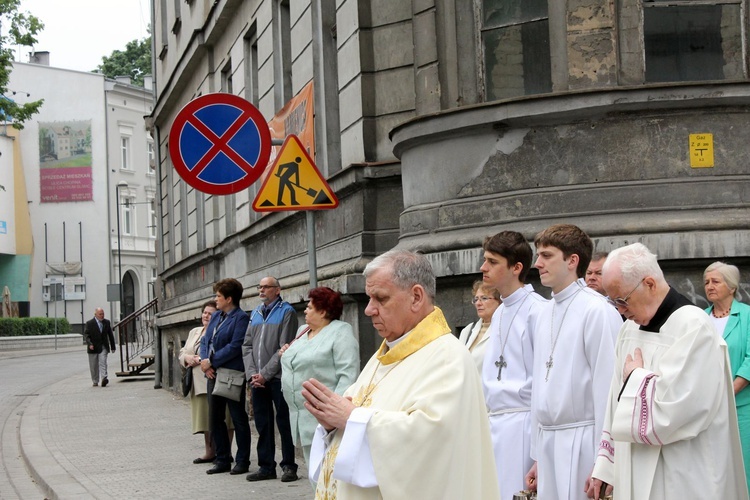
125	153
665	4
484	30
152	215
128	214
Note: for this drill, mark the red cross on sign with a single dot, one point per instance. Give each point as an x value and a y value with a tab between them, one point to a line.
219	143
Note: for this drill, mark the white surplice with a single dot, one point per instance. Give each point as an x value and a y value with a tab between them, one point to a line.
508	393
568	408
673	433
467	337
421	432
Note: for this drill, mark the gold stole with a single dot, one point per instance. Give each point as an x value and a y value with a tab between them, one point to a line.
427	330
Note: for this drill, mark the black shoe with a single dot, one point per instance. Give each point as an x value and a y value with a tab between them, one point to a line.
201	460
96	385
105	381
289	475
219	469
239	469
261	475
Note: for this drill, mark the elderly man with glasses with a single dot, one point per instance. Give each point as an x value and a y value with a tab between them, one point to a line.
272	324
670	429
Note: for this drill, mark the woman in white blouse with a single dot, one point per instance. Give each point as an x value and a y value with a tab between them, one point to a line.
190	360
486	300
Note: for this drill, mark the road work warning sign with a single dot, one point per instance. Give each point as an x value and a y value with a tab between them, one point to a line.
294	183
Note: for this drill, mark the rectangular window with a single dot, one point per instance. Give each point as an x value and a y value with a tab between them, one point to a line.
282	34
177	17
226	78
151	158
693	40
128	215
515	41
164	28
125	152
251	67
152	218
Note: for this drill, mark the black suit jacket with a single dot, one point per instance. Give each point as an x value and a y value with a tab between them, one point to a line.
97	338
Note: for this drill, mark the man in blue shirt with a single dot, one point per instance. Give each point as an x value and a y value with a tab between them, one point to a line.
272	324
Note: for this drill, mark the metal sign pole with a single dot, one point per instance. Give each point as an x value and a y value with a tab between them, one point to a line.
311	256
55	287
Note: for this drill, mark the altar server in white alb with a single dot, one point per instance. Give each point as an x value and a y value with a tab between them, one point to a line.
573	363
416	427
509	361
670	431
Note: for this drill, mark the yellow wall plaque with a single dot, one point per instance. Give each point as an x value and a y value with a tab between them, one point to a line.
701	150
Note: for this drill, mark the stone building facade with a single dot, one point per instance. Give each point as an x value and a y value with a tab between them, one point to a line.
438	122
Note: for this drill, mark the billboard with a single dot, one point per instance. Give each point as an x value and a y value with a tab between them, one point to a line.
65	161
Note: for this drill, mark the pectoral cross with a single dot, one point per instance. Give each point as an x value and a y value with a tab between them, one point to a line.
500	363
548	364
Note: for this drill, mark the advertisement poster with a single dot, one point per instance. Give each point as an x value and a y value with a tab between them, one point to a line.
65	161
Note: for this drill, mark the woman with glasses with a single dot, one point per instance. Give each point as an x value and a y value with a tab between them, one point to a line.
731	318
486	300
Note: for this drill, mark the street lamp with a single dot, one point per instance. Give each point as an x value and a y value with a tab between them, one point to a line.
121	184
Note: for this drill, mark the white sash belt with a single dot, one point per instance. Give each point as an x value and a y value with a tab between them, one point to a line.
508	410
560	427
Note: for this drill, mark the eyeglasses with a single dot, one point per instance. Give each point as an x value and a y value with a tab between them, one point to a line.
623	303
264	287
483	298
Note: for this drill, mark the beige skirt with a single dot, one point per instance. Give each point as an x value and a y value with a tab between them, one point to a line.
199	407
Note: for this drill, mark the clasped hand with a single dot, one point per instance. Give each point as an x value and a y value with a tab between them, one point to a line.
632	362
331	410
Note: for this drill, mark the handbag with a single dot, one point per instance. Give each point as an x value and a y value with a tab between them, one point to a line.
229	383
187	382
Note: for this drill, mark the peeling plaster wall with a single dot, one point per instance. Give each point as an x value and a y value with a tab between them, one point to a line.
631	163
592	58
623	175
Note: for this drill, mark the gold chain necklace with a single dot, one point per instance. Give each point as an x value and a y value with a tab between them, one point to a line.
365	400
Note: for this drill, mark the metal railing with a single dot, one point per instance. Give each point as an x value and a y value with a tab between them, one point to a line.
136	334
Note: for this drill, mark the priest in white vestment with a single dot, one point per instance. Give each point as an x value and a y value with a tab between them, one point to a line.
573	362
416	425
670	431
509	361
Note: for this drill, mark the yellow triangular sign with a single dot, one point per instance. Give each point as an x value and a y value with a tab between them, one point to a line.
294	183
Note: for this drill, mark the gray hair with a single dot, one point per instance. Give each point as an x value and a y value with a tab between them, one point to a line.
729	273
635	262
407	269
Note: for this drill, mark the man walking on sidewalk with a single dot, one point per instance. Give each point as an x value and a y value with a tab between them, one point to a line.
272	324
100	341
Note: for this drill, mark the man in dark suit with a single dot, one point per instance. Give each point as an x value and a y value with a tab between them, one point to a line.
221	347
100	341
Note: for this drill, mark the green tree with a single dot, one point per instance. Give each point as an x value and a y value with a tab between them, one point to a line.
16	29
134	61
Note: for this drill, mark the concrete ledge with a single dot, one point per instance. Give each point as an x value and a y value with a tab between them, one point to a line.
40	342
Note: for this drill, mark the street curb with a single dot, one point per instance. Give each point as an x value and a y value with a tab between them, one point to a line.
38	352
57	482
20	484
32	454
